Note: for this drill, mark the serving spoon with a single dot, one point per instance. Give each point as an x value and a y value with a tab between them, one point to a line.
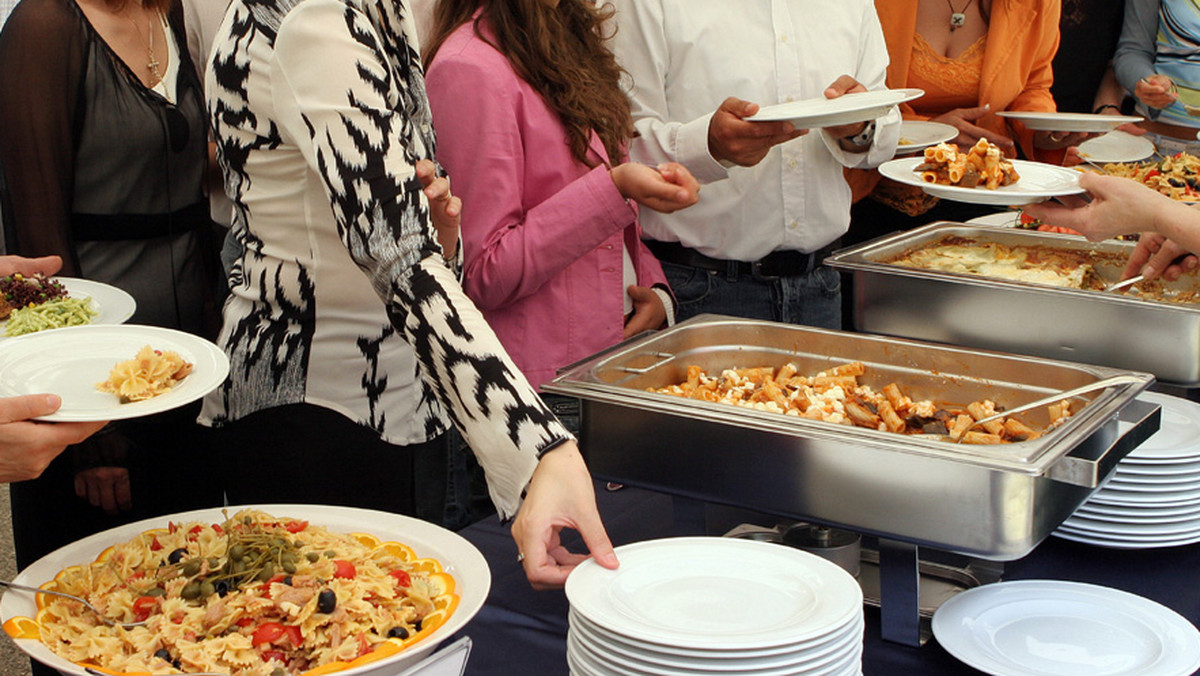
96	611
1121	379
1124	283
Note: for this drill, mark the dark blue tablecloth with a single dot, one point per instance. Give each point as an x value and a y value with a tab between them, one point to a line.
521	631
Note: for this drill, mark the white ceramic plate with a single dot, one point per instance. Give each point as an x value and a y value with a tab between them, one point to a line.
1132	532
458	557
721	593
70	362
920	135
847	109
717	660
1178	435
1055	628
112	305
1116	146
1008	218
1161	543
1038	182
1119	511
1138	518
1069	122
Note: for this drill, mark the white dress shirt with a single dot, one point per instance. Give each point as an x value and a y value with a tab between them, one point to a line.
685	57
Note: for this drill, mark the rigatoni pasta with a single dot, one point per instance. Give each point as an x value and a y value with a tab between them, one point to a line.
983	165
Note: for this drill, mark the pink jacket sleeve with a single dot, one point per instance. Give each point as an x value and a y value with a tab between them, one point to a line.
483	114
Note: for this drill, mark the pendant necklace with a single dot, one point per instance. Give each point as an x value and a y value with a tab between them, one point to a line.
152	62
958	18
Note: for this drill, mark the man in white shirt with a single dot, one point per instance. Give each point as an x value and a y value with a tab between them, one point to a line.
774	201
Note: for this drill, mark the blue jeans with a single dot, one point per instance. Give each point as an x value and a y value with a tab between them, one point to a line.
813	299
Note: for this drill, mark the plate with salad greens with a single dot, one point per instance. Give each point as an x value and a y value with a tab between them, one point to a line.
36	303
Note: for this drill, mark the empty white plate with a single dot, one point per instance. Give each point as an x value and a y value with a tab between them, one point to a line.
1056	628
715	593
1069	122
846	109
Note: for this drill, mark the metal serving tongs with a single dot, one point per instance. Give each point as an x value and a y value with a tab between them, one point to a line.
1122	379
96	611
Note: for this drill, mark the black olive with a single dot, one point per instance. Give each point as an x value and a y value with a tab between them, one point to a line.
163	654
417	625
287	580
397	632
177	555
326	601
177	664
222	587
1175	183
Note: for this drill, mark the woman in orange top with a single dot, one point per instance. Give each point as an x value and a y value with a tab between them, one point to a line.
973	58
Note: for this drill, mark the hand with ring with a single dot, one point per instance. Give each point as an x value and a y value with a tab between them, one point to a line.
1055	140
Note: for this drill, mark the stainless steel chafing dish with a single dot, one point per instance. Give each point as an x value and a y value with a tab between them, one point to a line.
1117	330
995	502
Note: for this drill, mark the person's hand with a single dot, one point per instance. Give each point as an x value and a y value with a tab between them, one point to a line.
648	311
28	446
666	188
844	85
1156	91
445	209
1118	206
963	119
732	139
560	496
46	265
105	487
1055	140
1156	255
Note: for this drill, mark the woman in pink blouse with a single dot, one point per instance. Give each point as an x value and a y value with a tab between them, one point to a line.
532	124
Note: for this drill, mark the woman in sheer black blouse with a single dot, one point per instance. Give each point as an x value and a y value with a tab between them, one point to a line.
103	145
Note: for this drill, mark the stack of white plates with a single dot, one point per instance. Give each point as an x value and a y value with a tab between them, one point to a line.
1153	496
714	606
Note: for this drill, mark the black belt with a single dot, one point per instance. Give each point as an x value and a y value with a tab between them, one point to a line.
126	227
773	266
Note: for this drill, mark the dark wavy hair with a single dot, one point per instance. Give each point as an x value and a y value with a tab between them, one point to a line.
560	51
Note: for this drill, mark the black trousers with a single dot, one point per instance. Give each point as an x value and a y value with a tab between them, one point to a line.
306	454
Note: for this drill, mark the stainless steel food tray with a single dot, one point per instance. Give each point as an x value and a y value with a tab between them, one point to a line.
994	501
1111	329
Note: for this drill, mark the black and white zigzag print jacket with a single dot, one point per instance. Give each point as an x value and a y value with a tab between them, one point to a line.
342	297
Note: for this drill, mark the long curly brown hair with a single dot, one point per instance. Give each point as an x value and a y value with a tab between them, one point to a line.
560	51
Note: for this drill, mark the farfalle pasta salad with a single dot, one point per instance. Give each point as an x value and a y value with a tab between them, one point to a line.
255	595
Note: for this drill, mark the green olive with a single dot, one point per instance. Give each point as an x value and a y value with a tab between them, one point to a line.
190	590
192	567
289	566
237	553
214	563
155	591
266	573
330	554
207	589
312	557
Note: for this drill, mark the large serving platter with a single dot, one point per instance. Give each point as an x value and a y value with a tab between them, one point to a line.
457	556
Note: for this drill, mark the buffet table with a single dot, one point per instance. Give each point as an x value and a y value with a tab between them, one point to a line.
521	631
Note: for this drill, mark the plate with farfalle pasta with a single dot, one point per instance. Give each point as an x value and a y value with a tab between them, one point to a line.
253	590
981	175
111	372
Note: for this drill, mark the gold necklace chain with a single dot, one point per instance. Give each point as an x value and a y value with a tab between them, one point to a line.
152	62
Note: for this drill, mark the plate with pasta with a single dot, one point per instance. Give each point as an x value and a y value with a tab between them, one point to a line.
342	591
1035	182
40	304
111	372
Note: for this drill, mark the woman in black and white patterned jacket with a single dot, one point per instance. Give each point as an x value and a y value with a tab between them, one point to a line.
350	340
